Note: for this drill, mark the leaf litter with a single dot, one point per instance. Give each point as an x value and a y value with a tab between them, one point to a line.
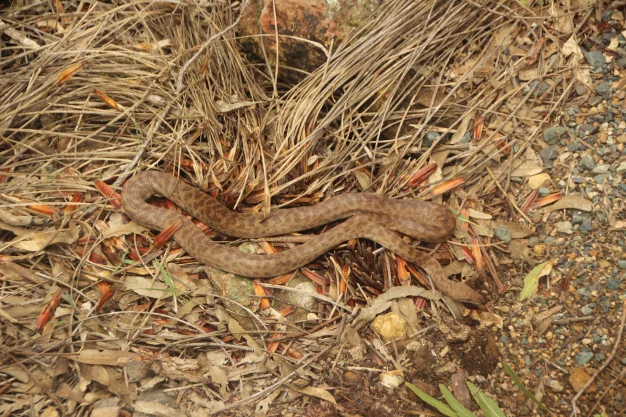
89	101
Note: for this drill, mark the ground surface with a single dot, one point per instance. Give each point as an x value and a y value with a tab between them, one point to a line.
94	320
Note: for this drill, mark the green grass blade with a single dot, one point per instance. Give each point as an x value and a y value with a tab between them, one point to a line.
441	407
454	403
511	373
486	404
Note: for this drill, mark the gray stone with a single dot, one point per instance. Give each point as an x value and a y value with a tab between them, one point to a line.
564	227
585	129
579	216
431	137
543	191
595	59
582	358
503	233
601	169
603	88
586	310
553	134
586	226
548	154
594	100
613	284
587	163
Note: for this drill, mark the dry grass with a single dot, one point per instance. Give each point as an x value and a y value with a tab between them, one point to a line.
98	93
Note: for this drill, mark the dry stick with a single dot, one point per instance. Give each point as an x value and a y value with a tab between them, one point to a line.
179	88
508	197
275	385
608	389
618	339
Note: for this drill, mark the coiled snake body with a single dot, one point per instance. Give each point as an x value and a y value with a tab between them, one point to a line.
370	216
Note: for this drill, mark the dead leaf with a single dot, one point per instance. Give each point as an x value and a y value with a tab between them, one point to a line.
531	281
570	202
478	214
518	231
571	47
124	229
222	106
103	357
527	169
34	241
465	123
487	319
316	392
148	287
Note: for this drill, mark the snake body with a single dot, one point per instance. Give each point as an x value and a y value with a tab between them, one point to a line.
370	216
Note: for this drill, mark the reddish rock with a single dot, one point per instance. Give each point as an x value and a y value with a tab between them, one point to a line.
319	21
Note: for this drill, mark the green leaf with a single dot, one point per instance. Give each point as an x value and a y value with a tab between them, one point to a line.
488	406
454	403
441	407
511	373
531	281
167	278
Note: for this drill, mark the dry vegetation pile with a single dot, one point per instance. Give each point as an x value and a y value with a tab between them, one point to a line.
444	101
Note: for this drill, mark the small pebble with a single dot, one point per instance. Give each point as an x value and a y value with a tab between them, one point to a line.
601	169
503	233
582	358
603	88
564	227
595	59
586	226
552	135
587	163
540	180
585	129
555	385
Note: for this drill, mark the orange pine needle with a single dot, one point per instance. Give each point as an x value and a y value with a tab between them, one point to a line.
48	312
446	186
261	292
422	174
167	233
478	127
316	278
268	248
72	206
549	199
477	255
292	352
273	346
44	209
345	276
107	293
287	311
109	193
467	253
69	73
108	100
283	279
529	202
403	275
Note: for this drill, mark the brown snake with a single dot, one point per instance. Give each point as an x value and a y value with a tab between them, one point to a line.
370	216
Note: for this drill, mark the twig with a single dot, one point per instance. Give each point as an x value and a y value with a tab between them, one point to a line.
275	385
608	360
508	197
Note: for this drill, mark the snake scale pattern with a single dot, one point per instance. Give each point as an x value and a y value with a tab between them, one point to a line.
368	215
